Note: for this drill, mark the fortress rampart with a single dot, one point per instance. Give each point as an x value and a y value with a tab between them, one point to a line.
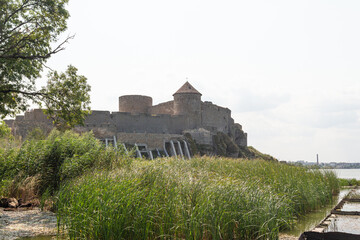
137	119
163	108
135	103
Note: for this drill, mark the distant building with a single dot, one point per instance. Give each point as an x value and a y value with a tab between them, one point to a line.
138	121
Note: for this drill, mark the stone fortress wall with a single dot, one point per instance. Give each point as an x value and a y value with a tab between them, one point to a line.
163	108
137	119
135	104
23	124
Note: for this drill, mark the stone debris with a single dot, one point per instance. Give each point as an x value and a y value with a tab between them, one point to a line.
16	224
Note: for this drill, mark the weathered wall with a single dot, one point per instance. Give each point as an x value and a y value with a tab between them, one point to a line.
215	118
163	108
201	136
139	121
135	103
153	140
100	132
100	122
24	127
20	117
146	123
106	124
35	115
188	104
98	118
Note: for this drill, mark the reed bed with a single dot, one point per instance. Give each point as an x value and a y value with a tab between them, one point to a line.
104	193
201	198
49	162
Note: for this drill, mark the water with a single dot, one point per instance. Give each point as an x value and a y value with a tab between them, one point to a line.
348	173
310	220
348	224
351	207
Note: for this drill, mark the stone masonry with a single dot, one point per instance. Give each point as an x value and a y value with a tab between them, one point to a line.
139	120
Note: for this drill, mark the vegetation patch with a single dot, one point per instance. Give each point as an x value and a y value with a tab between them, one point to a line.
102	193
202	198
40	166
349	182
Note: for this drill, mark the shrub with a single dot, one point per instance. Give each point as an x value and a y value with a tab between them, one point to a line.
5	131
349	182
58	158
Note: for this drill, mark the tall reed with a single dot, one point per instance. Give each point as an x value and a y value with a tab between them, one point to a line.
54	160
201	198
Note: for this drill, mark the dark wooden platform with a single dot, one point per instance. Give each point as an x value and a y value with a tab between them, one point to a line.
320	231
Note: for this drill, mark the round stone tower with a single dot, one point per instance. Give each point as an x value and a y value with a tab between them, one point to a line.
135	104
187	101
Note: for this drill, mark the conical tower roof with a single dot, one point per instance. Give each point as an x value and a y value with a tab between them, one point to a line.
187	88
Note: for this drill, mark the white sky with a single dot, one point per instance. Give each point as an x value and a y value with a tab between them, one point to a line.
288	70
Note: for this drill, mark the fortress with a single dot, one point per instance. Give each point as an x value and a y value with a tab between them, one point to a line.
164	128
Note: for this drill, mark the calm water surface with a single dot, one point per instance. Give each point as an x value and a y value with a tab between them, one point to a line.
347	173
310	220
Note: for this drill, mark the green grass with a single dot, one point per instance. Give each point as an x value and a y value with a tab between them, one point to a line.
349	182
54	160
102	193
202	198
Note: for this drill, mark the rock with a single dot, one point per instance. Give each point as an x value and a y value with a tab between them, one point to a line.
9	203
240	137
225	146
13	203
4	202
27	205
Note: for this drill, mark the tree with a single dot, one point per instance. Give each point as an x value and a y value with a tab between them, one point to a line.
66	98
28	29
5	131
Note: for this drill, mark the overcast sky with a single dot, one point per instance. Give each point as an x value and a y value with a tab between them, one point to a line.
288	70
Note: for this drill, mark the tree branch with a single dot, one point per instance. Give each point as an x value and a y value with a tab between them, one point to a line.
21	8
23	92
37	56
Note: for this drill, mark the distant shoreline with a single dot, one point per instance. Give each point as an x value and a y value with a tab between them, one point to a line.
330	165
340	168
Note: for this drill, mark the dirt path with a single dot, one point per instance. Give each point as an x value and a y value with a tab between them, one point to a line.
15	224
